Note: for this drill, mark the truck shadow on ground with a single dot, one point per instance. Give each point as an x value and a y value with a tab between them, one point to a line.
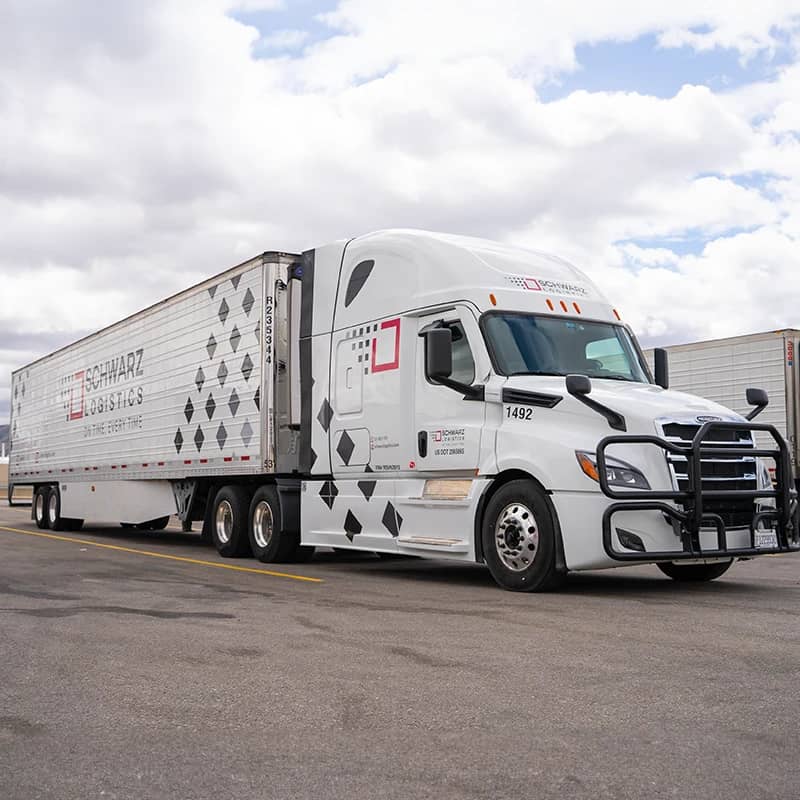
645	581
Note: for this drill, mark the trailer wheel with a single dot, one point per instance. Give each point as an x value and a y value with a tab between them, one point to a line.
54	509
519	539
40	507
268	539
229	522
694	573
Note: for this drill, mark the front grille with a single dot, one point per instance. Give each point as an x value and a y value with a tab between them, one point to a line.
719	473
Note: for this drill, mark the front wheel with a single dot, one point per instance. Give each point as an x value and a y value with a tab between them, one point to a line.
694	573
519	538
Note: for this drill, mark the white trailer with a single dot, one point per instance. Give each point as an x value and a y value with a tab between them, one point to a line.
722	369
401	392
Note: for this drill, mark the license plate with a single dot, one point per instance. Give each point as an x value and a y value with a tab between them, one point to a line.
766	540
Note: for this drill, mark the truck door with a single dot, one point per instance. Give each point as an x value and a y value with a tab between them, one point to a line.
448	428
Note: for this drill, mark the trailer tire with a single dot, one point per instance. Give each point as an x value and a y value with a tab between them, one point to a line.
519	538
54	521
694	573
229	522
40	507
269	541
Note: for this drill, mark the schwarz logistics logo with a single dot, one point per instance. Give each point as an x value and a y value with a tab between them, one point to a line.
106	386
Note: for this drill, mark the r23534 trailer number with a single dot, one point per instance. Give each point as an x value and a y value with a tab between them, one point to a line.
268	311
519	412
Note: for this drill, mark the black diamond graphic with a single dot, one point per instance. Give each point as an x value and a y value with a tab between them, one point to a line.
392	520
329	493
222	435
211	406
224	310
199	438
313	458
247	367
235	281
211	347
247	303
352	527
212	290
247	434
222	373
257	398
200	379
236	337
189	410
367	489
16	392
325	415
345	448
233	403
178	440
368	468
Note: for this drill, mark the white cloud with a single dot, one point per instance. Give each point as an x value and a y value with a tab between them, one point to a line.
144	147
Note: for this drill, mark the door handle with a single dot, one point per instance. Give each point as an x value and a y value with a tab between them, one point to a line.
422	443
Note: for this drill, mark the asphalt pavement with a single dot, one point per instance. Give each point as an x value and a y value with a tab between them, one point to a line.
143	666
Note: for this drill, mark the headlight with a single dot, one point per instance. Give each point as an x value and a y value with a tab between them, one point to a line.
764	478
618	473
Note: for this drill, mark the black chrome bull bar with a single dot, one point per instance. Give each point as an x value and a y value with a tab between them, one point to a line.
688	509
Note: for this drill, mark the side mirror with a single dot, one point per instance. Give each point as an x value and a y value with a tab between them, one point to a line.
661	358
758	398
438	353
579	385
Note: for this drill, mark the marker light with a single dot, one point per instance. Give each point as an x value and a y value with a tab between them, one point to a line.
550	304
492	299
618	473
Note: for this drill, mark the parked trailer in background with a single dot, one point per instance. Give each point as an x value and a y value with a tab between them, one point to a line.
401	392
722	369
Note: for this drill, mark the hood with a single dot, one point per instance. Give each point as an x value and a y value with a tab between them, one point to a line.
640	403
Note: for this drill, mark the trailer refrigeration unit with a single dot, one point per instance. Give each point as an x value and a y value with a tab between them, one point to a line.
722	369
401	392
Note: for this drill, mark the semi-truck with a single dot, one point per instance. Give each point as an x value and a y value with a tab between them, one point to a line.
401	392
722	369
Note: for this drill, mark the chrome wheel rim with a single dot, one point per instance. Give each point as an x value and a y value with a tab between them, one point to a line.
52	508
39	507
263	524
516	537
224	522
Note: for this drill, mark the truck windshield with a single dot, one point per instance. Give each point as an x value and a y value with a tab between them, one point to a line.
526	344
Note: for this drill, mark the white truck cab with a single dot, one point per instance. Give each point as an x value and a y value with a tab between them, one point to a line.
471	387
401	392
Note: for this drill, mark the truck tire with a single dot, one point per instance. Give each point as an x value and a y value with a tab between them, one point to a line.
519	538
54	509
229	522
269	541
40	507
694	573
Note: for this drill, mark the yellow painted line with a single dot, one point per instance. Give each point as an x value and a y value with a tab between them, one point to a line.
164	555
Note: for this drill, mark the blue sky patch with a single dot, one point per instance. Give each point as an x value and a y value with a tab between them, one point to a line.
297	15
642	66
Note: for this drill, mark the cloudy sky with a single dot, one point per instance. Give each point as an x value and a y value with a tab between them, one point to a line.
146	144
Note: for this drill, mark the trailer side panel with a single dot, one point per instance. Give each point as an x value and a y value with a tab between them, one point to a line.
174	391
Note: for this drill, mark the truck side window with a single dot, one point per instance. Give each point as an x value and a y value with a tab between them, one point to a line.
609	356
463	362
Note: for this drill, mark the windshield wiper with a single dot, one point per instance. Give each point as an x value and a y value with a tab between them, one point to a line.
532	372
